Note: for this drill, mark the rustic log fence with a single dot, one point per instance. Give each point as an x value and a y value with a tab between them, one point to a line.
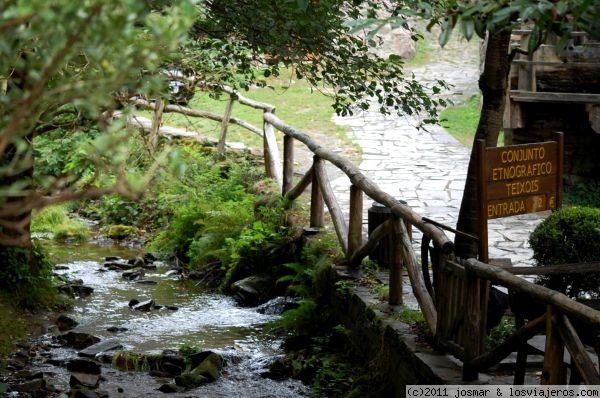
454	304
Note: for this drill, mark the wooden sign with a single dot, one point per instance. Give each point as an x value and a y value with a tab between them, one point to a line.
518	179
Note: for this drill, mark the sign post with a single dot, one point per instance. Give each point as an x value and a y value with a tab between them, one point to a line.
517	179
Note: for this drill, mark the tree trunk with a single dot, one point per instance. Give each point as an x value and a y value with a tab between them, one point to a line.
492	83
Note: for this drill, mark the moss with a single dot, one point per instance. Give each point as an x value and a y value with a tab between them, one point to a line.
56	220
120	231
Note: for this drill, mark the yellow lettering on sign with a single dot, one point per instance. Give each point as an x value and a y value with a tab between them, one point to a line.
523	154
522	187
504	209
521	171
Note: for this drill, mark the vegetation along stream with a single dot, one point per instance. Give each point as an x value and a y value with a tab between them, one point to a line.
182	315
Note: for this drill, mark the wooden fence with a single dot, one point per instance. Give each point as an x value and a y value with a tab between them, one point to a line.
454	304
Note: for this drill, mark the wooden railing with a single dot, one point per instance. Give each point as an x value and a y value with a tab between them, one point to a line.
454	304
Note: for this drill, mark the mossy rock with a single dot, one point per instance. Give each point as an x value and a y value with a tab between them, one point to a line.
120	232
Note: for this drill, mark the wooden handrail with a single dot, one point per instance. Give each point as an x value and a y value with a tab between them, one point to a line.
565	304
141	103
364	183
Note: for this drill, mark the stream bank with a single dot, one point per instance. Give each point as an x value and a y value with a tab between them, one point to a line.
181	315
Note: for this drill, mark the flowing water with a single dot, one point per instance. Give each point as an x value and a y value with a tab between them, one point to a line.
206	320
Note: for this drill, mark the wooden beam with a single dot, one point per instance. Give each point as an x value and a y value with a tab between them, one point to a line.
337	217
382	230
576	268
528	96
416	280
555	370
579	356
304	182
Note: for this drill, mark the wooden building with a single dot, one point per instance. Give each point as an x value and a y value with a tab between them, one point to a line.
550	92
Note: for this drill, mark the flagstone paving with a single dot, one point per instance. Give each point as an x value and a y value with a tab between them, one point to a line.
427	169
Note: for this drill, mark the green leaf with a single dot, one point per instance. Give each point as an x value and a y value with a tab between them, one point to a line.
446	32
467	27
534	40
561	7
302	4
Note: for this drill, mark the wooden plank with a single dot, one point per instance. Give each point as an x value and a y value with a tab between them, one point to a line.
296	191
525	96
317	214
288	164
555	370
355	233
337	217
579	356
578	268
522	187
564	65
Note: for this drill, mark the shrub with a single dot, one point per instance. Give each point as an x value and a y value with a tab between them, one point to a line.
569	235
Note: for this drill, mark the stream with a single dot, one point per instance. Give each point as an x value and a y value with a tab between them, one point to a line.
189	316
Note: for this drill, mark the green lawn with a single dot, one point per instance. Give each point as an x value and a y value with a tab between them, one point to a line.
296	103
461	121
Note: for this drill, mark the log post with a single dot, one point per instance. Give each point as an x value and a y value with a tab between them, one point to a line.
472	311
395	294
271	154
225	125
156	122
555	370
288	164
317	214
355	222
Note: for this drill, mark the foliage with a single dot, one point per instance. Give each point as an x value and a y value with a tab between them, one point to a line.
585	194
62	80
56	220
13	326
500	332
569	235
207	208
315	39
186	351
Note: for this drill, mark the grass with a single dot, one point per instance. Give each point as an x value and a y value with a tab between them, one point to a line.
296	103
13	327
461	121
56	220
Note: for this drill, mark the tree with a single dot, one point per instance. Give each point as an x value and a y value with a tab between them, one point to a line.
495	20
62	61
65	79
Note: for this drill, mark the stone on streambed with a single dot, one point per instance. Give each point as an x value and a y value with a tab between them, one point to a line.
102	346
146	282
170	388
253	290
77	393
133	274
84	380
78	340
208	364
82	365
116	329
72	289
65	323
144	306
118	265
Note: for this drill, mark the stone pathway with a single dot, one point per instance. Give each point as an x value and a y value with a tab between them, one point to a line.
427	169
